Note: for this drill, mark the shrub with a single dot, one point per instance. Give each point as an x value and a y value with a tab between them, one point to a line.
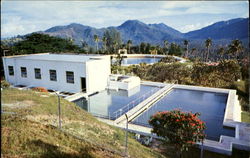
40	89
168	59
178	128
4	84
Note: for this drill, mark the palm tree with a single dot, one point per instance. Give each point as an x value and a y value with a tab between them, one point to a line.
104	40
143	47
71	40
129	43
186	44
221	52
193	51
96	39
115	44
208	44
166	46
235	47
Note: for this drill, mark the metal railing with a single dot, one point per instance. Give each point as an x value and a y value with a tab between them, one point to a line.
132	104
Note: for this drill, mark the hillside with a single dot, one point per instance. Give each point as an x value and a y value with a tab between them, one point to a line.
231	29
29	129
138	32
152	33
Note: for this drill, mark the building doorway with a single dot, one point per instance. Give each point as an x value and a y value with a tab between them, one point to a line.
83	84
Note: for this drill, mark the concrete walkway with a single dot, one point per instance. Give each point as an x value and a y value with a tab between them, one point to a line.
76	96
145	104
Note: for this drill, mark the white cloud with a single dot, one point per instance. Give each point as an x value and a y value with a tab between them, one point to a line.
21	17
191	27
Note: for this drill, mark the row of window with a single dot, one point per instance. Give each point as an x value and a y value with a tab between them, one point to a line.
53	77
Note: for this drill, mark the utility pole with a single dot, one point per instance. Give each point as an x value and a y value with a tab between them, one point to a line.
59	112
126	140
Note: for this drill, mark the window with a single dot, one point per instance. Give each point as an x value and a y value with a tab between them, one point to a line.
37	73
70	76
23	72
11	70
52	75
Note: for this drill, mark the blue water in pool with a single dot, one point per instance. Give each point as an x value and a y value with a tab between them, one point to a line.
210	105
138	60
105	103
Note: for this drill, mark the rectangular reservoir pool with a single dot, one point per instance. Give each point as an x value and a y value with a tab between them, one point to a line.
107	103
210	105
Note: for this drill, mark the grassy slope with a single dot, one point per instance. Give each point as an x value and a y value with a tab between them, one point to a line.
245	116
31	132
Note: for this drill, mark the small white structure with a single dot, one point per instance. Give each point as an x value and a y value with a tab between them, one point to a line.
123	82
123	51
69	73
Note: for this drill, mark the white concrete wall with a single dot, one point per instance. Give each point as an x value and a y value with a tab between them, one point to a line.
96	73
125	84
60	67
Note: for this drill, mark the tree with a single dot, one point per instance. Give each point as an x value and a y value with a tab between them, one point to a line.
178	128
129	43
85	46
112	36
115	45
221	52
208	44
186	44
104	41
148	47
143	47
166	47
96	39
235	47
193	50
42	43
175	49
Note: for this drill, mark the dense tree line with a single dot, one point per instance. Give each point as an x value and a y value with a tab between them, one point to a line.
221	75
40	43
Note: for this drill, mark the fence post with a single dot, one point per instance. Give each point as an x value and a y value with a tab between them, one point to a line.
201	156
59	111
126	139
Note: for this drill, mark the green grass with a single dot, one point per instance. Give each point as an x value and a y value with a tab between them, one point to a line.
245	116
32	131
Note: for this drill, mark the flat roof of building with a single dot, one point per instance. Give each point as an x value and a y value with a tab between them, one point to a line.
60	57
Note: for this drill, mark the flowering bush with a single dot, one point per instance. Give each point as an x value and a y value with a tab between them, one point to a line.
4	84
40	89
178	128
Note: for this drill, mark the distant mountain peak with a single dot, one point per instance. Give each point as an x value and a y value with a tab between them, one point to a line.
75	24
132	22
230	29
156	33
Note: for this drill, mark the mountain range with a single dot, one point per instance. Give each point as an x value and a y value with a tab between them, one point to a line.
138	32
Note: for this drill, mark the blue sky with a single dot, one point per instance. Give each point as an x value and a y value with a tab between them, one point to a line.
22	17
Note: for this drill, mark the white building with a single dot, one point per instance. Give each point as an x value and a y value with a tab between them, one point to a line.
69	73
123	82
